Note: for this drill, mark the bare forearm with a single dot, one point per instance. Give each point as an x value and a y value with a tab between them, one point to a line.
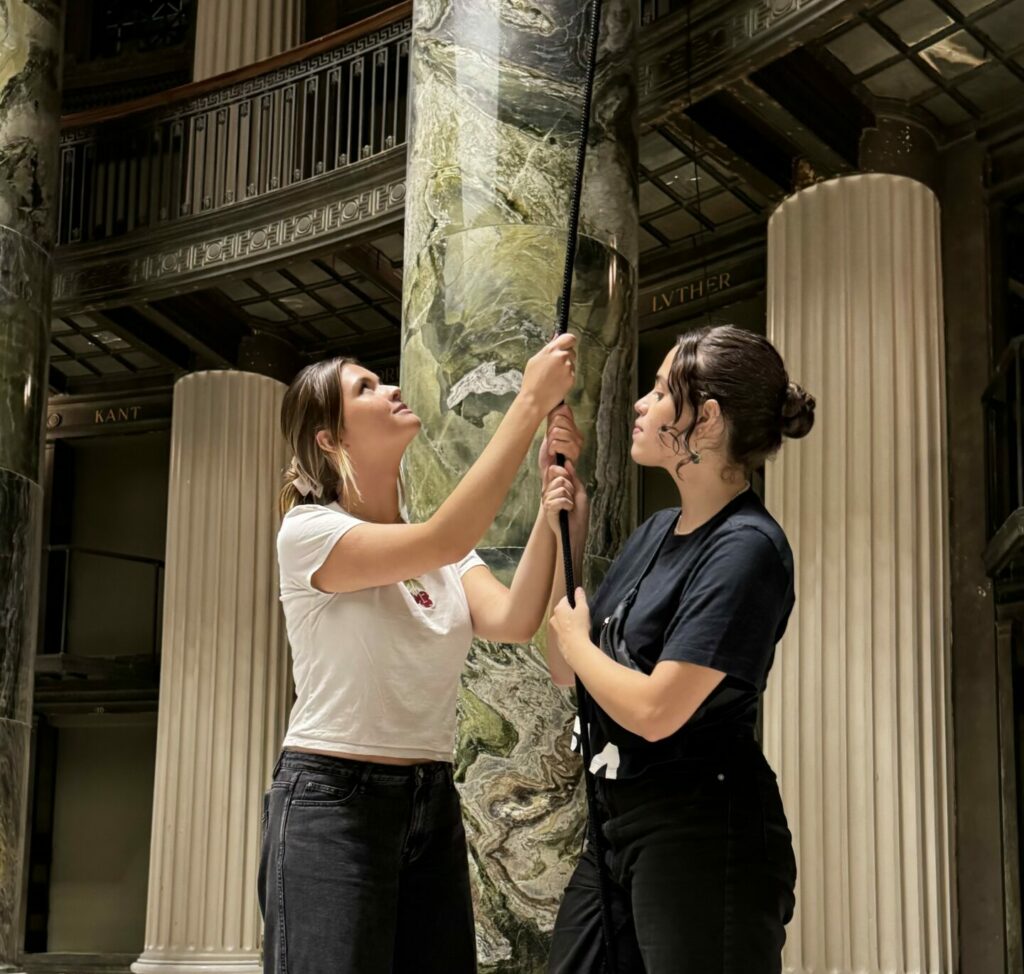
469	510
622	693
528	594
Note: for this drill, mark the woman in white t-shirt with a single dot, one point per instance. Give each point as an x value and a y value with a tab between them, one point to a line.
364	864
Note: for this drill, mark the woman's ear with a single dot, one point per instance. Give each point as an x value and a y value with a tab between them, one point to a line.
710	414
324	441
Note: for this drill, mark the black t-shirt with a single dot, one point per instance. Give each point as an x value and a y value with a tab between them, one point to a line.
720	597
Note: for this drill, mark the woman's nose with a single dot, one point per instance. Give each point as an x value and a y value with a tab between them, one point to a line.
640	406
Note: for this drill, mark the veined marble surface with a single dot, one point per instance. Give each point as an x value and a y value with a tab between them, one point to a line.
30	36
20	507
496	108
30	45
26	276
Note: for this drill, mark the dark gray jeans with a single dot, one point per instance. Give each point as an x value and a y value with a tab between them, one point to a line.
364	870
702	874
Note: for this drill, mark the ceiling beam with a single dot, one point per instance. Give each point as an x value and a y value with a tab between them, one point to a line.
698	141
212	345
823	112
671	262
372	264
135	328
751	138
824	158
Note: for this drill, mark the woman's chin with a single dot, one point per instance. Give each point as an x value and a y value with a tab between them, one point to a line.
639	456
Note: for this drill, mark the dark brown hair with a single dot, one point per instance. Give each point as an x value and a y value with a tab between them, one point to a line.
745	374
315	401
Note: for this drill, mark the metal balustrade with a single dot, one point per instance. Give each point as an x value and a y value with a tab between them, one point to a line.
326	106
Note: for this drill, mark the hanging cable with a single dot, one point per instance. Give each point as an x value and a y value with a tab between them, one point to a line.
564	302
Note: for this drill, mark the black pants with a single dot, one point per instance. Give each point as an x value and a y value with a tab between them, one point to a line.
364	870
702	872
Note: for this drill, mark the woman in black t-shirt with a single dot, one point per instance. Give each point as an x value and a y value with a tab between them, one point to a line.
674	652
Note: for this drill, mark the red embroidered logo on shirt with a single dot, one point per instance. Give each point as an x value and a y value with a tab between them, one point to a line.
419	594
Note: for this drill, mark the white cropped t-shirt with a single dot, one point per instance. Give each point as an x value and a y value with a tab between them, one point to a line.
376	671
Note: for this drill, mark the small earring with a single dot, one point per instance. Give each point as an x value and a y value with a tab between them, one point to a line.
694	456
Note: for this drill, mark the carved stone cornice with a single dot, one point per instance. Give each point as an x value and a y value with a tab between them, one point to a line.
314	216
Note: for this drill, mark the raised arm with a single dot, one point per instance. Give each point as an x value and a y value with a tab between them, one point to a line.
380	554
513	615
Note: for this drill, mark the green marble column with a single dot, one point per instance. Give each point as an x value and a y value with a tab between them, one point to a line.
30	38
496	106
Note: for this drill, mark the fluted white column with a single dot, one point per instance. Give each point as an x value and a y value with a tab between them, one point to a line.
224	681
234	33
857	713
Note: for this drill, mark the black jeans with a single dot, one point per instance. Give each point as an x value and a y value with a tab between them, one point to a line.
364	870
702	871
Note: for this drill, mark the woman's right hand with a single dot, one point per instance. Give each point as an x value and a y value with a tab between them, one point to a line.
564	491
550	374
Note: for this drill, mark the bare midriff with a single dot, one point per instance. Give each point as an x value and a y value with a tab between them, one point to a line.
368	758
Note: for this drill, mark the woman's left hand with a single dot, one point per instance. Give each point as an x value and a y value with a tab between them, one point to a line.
563	436
570	625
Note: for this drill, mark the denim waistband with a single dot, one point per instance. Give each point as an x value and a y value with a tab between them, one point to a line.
367	770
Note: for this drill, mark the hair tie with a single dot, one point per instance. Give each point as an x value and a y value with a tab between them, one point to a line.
305	486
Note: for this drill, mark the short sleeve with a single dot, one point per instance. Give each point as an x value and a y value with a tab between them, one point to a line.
307	536
730	614
472	560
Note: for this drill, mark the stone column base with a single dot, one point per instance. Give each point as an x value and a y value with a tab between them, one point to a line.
193	963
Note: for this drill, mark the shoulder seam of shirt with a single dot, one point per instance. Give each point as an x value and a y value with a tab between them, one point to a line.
736	528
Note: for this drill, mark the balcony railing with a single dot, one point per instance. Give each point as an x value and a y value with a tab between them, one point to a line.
1004	419
193	150
318	109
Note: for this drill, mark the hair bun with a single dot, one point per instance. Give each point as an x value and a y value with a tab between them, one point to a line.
797	412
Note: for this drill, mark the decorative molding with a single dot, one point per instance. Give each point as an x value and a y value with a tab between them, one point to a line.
288	225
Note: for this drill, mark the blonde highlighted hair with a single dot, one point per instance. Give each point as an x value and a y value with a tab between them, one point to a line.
314	402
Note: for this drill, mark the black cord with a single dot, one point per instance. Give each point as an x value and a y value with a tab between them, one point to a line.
564	301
